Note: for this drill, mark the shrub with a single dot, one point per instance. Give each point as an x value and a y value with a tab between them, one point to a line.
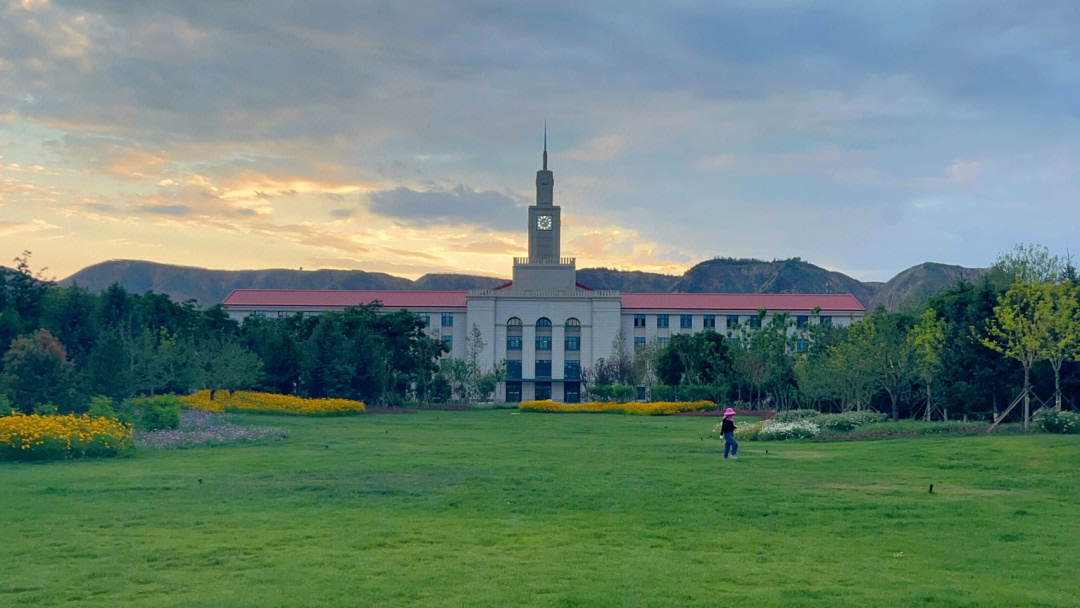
601	392
622	392
746	432
1050	420
777	431
102	407
697	392
663	392
46	409
37	437
653	408
5	406
151	413
794	415
848	421
271	403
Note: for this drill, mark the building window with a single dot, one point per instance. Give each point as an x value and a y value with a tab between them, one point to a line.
825	320
686	321
543	342
661	321
543	391
513	322
709	322
572	322
572	369
573	343
513	369
425	319
755	322
513	392
447	319
732	321
802	345
448	342
543	322
639	342
802	321
282	314
662	341
513	342
543	368
572	392
639	320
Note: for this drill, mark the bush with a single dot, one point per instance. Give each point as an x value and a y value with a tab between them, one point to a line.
746	432
102	407
601	392
5	406
698	392
848	421
778	431
663	392
37	437
622	392
46	409
1049	420
152	413
651	408
795	415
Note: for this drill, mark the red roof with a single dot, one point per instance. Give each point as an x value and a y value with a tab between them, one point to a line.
328	298
741	301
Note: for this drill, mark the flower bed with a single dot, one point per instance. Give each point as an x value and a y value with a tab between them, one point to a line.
37	437
270	403
774	430
203	428
654	408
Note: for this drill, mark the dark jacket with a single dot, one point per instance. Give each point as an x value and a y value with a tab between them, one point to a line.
728	426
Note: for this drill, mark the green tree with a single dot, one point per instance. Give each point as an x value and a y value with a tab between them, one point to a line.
1060	305
37	372
1020	330
925	342
880	351
1032	264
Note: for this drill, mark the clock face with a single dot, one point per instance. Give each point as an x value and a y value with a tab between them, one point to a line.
543	222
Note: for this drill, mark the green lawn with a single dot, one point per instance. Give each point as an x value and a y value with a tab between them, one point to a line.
496	508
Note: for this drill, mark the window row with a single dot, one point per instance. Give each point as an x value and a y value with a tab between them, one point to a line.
542	369
542	322
730	321
571	343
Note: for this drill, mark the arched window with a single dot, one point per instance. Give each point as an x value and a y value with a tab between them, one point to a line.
513	322
543	322
572	322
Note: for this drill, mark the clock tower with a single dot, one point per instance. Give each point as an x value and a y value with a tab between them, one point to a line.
544	218
544	269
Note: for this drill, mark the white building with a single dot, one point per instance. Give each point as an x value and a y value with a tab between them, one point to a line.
546	325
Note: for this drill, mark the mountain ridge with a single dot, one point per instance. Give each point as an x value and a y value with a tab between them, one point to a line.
726	275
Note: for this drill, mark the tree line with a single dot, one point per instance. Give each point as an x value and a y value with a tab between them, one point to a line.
973	350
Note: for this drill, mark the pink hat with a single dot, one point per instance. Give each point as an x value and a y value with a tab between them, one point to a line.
728	413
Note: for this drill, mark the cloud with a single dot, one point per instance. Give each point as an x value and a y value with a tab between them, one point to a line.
606	147
9	228
449	207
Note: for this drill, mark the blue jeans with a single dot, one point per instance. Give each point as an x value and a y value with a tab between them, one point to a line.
730	445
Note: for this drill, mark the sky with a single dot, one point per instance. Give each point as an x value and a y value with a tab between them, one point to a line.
403	137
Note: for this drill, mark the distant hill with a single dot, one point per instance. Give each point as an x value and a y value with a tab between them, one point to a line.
208	287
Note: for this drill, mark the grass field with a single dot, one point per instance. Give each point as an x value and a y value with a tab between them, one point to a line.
496	508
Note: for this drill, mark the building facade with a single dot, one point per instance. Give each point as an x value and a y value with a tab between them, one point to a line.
548	327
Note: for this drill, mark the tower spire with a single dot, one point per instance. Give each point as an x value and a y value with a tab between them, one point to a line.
545	144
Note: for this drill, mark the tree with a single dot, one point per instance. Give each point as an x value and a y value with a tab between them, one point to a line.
37	372
1031	264
227	365
1060	305
925	342
1020	330
880	351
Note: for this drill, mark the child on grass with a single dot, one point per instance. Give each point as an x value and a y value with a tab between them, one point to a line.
727	429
